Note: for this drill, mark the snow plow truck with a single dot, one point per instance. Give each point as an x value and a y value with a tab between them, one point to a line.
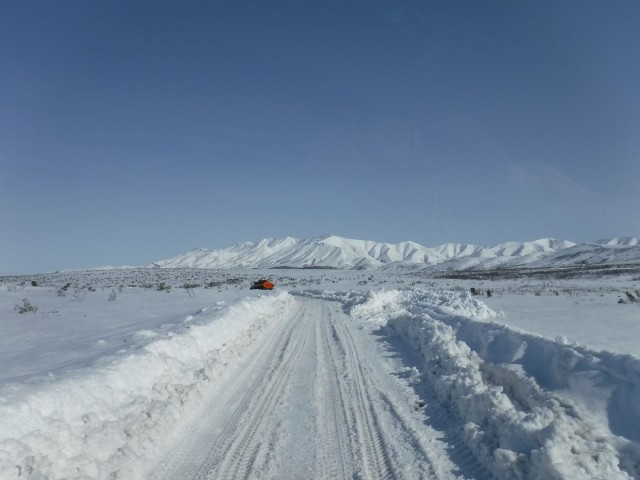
262	285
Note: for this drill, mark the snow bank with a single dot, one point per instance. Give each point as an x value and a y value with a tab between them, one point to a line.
531	408
348	299
107	421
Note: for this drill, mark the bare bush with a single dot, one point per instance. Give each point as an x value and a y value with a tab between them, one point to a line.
26	306
189	288
62	291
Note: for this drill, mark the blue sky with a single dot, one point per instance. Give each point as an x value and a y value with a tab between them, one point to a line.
132	131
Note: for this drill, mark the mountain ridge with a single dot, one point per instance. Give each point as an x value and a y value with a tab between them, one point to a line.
332	251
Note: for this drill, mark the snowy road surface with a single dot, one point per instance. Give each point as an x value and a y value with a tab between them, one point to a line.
313	402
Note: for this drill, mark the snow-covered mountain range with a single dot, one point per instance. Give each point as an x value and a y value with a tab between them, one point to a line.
330	251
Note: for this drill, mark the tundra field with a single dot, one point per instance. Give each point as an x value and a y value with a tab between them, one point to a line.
187	373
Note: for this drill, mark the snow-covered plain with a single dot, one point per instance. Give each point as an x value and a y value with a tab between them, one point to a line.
108	376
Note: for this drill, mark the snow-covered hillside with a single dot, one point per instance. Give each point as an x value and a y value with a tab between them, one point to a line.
327	251
330	251
592	254
620	241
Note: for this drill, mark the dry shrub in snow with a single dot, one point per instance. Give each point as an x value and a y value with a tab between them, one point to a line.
26	306
62	291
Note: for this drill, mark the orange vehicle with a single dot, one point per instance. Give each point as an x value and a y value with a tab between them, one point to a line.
262	285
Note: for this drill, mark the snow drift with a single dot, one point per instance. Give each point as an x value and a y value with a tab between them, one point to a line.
529	407
102	421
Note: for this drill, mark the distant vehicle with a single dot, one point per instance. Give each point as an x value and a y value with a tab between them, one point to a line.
262	285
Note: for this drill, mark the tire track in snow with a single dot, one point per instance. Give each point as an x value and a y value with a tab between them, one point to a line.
385	435
374	462
206	442
249	438
307	405
331	421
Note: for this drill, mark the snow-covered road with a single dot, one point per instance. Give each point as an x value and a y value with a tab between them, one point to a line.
313	401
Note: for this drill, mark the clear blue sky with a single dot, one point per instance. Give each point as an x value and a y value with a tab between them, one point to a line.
132	131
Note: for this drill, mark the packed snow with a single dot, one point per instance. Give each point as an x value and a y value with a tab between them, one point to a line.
408	375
